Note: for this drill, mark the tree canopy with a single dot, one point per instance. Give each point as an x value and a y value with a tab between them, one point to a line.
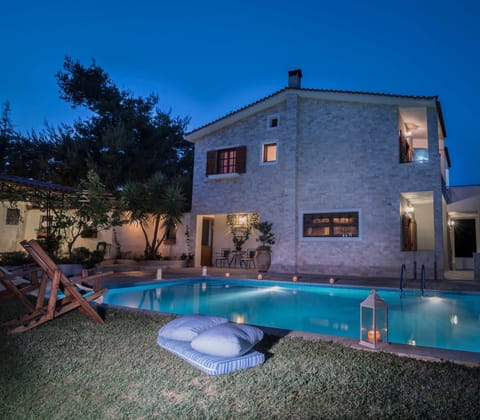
124	138
127	147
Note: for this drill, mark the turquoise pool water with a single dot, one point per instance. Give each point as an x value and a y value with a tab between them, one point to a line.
441	320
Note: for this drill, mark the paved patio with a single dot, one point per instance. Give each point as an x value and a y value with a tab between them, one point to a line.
126	274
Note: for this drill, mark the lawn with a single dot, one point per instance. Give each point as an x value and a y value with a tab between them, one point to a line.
73	368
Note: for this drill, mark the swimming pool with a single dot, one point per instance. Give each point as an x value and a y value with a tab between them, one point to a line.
441	320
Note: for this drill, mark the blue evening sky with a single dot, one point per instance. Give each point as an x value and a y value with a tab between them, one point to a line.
207	58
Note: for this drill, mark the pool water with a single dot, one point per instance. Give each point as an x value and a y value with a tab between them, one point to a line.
441	320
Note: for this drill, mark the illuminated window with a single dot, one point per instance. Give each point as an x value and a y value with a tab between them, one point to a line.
269	152
331	225
226	161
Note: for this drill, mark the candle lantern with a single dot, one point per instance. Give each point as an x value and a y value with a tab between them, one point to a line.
373	321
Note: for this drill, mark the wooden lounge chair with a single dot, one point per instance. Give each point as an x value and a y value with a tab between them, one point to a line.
17	283
74	298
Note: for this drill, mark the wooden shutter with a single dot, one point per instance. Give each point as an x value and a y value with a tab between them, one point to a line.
211	162
241	163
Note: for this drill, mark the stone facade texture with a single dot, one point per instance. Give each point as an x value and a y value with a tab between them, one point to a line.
332	155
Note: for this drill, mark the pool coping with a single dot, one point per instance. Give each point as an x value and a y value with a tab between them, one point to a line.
402	350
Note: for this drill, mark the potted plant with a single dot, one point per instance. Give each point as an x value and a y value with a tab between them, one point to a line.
241	226
266	237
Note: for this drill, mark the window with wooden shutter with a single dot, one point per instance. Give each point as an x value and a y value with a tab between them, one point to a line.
211	162
241	163
226	161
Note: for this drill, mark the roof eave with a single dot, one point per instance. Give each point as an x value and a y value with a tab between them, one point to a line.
338	95
235	116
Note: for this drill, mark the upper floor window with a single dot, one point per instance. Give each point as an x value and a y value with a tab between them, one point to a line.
227	161
13	217
331	225
412	135
269	152
273	121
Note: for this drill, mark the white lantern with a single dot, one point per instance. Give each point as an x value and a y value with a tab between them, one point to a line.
373	321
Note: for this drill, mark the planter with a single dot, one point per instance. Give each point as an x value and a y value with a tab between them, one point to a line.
263	259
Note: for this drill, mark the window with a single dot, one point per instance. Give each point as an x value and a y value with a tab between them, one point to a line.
269	152
412	135
273	121
226	161
331	225
13	217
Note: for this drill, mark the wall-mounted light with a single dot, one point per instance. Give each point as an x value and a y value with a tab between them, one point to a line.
410	209
451	223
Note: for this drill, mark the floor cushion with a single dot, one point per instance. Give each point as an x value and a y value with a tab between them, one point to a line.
212	365
227	340
186	328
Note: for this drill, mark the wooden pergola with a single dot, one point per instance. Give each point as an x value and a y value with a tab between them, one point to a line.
41	194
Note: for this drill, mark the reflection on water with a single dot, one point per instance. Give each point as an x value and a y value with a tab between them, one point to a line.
445	321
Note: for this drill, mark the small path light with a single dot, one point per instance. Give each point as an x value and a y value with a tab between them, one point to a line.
159	274
204	271
373	321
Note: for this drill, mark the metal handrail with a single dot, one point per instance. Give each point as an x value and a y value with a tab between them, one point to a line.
422	279
403	271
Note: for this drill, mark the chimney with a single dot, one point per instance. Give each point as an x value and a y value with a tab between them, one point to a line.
295	79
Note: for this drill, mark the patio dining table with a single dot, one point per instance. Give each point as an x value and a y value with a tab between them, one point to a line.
236	258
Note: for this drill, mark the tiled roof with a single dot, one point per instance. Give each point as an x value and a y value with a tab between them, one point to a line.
33	183
347	92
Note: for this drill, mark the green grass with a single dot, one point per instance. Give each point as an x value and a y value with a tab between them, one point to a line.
73	368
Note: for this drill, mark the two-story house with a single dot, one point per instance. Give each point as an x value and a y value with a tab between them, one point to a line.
353	182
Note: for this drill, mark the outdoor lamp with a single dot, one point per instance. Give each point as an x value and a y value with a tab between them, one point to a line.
373	321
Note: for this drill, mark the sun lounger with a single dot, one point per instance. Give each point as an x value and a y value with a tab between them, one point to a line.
57	305
231	344
17	283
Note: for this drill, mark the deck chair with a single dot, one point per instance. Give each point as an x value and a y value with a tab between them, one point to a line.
74	298
17	283
222	258
248	260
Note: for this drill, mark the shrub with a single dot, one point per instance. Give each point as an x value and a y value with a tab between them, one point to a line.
15	258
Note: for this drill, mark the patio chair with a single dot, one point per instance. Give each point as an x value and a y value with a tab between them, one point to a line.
222	258
73	297
248	260
17	283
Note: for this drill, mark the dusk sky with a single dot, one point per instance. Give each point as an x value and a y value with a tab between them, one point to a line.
207	58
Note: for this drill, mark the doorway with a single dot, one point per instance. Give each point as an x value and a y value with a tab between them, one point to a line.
206	242
465	243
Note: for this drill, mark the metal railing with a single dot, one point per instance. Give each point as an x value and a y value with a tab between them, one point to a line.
422	279
403	272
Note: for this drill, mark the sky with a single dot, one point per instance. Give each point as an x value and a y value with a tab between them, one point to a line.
207	58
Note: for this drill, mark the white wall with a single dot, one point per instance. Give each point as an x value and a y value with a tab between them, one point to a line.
425	231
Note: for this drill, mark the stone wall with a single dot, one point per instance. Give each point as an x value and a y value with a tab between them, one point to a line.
332	155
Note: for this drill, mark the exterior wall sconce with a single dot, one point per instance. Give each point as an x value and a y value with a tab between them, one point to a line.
373	321
410	209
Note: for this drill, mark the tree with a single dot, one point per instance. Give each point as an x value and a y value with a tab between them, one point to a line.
6	136
126	138
156	204
89	209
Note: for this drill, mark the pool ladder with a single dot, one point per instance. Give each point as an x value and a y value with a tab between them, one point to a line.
403	273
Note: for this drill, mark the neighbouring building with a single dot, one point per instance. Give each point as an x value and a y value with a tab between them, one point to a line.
28	219
355	183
